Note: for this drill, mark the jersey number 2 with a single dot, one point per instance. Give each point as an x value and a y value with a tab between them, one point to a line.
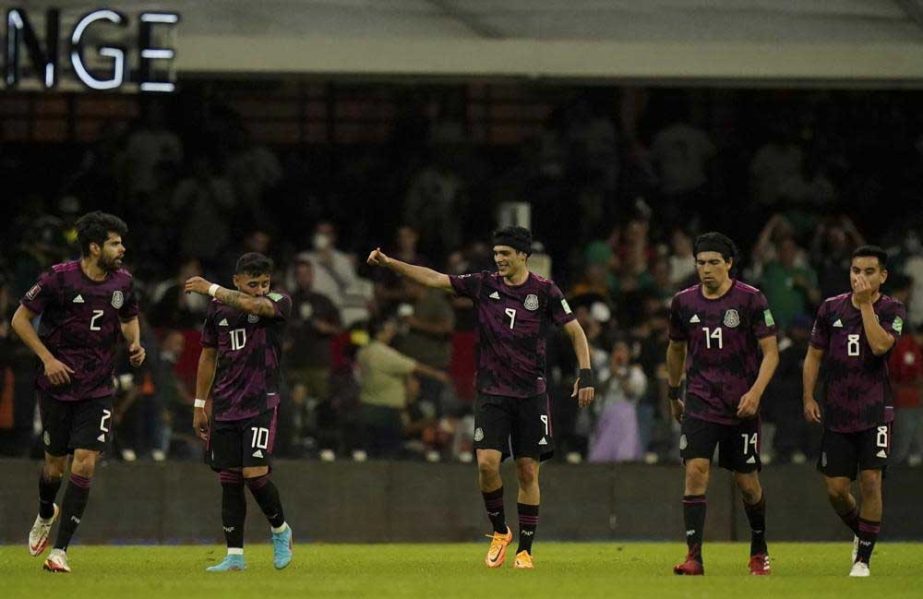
96	315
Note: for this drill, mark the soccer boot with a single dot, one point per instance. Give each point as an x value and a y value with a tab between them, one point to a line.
231	563
282	548
38	536
496	554
860	569
523	561
56	561
760	565
690	567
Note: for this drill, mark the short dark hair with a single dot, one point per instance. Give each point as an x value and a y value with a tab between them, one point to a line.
872	251
254	264
518	238
715	242
94	227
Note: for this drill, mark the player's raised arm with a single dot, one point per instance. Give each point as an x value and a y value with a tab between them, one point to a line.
57	372
420	274
260	306
812	363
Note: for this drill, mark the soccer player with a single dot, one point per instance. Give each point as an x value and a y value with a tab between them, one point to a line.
515	310
852	336
85	306
240	367
718	329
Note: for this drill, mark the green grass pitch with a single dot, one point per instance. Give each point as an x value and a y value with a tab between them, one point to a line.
563	570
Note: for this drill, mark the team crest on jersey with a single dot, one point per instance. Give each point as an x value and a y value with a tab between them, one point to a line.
253	318
531	302
478	434
118	299
731	319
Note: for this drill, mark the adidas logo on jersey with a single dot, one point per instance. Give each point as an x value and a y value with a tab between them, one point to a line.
223	323
78	299
838	324
494	295
258	453
694	319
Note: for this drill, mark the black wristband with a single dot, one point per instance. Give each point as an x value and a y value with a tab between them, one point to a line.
675	392
586	379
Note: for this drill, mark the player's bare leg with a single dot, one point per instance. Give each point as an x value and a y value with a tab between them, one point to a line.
755	507
267	496
528	500
491	485
694	507
48	485
83	466
869	520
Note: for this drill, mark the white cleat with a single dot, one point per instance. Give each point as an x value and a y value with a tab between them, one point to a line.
860	569
57	561
38	536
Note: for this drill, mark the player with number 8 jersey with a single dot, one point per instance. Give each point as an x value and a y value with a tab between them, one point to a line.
723	336
852	337
239	371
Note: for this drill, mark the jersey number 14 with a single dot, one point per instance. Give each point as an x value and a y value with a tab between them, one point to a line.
713	338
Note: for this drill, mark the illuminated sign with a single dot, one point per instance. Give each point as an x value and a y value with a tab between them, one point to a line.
110	68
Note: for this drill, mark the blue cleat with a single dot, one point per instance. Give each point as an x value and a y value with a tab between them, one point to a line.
231	563
282	548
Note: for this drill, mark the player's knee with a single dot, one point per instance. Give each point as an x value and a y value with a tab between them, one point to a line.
255	472
527	473
54	468
488	468
870	483
231	477
838	492
84	463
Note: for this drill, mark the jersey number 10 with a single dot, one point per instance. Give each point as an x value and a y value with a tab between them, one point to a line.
238	339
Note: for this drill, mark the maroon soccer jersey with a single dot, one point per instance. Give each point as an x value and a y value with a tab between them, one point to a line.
81	325
856	390
723	354
513	323
249	357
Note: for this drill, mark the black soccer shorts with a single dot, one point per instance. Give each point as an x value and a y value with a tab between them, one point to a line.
243	443
738	445
514	426
844	454
70	425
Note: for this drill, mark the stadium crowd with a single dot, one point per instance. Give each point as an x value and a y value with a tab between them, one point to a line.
618	183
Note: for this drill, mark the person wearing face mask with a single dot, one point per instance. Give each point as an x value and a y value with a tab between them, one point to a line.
334	273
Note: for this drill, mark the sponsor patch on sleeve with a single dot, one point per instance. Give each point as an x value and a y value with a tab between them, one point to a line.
274	296
767	317
33	293
566	306
898	324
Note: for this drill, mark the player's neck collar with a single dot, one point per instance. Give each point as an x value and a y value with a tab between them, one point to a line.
92	271
730	286
525	279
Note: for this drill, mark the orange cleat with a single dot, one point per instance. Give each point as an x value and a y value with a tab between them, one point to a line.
523	561
496	555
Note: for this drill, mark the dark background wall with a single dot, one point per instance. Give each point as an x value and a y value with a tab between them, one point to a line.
399	501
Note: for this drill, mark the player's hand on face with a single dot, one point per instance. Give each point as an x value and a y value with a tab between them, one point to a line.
862	290
677	407
377	258
200	423
811	411
58	372
749	404
197	285
136	354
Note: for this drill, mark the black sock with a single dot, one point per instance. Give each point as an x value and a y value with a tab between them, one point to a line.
868	534
233	508
694	517
851	519
75	501
267	496
528	522
756	514
47	491
493	501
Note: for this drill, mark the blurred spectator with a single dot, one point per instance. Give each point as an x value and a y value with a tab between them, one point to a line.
152	154
777	168
171	307
383	373
790	289
334	272
682	261
389	287
831	254
435	199
205	205
616	437
913	267
906	366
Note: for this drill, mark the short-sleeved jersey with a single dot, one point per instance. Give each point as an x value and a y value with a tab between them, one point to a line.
513	323
249	357
723	354
81	325
856	389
